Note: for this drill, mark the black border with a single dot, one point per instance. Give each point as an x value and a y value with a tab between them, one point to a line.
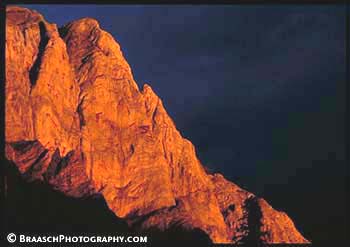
172	2
2	90
3	4
346	111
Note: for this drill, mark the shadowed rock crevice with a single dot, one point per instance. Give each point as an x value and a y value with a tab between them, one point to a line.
22	146
80	113
37	166
44	39
251	233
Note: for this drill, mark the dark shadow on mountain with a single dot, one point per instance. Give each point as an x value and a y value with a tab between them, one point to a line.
44	39
37	208
252	235
176	235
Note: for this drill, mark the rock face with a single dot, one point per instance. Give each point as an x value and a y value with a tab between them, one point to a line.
76	120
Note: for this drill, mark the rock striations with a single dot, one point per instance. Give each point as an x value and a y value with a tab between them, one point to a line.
77	121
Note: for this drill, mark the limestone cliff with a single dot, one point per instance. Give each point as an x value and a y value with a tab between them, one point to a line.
76	120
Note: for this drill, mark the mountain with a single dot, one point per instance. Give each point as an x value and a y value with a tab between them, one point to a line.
77	122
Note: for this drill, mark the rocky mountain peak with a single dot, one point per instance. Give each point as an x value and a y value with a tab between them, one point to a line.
22	16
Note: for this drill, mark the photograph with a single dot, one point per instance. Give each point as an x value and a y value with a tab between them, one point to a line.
174	124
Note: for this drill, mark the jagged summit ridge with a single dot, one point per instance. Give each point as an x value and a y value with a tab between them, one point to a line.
77	121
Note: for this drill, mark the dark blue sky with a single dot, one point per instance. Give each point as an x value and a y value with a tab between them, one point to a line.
259	90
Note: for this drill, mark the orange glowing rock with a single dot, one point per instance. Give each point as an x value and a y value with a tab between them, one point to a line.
76	119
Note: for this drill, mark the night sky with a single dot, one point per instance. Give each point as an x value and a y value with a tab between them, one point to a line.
259	90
